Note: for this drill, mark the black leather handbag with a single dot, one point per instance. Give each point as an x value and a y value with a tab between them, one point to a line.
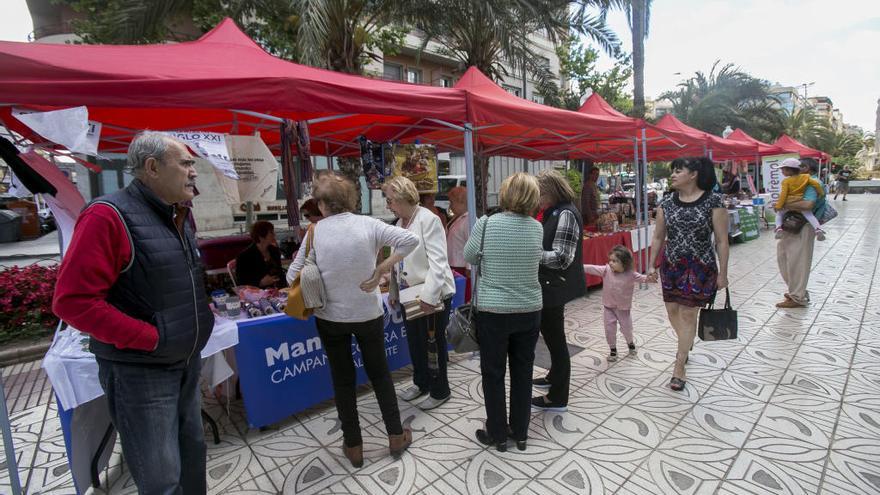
461	331
793	222
718	324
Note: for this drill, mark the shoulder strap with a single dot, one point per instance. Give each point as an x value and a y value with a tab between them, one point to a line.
310	238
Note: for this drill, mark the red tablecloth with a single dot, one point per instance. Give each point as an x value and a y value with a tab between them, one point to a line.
596	249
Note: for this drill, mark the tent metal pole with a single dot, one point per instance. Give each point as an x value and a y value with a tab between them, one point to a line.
470	174
757	174
11	463
637	196
643	256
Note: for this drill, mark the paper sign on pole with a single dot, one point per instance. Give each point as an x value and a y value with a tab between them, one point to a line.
257	170
211	146
772	176
69	127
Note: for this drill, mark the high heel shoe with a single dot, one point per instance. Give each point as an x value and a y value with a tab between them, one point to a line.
355	454
399	443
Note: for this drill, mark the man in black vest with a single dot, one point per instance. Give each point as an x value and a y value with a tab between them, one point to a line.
132	280
561	274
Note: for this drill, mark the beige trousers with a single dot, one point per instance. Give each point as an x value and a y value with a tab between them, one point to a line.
794	253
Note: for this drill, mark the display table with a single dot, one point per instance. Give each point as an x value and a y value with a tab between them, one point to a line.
282	370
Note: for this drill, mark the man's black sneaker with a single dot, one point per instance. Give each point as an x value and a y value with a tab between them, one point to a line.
541	382
541	404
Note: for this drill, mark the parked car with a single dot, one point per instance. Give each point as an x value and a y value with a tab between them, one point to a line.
444	184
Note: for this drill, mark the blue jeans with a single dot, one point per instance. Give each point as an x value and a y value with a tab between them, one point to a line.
506	336
157	412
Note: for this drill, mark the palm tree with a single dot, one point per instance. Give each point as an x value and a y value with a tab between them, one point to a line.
639	14
725	96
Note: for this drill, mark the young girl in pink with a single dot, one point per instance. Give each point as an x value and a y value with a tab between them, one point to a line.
618	281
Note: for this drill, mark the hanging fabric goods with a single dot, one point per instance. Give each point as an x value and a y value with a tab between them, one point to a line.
304	152
288	172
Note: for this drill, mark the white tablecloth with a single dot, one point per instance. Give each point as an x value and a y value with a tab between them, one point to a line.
73	371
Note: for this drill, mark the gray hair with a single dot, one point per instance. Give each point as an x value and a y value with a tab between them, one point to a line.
147	144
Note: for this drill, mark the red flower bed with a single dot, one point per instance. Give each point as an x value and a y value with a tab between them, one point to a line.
26	302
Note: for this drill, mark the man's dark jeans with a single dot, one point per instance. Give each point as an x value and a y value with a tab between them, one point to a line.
504	336
553	331
370	335
437	383
157	412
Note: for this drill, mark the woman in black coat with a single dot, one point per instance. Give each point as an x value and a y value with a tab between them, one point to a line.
260	264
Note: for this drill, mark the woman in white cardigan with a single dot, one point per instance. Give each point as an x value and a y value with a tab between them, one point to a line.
426	266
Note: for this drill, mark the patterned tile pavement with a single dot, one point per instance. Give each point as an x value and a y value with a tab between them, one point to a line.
792	406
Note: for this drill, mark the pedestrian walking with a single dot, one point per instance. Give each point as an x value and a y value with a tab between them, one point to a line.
689	272
843	178
618	284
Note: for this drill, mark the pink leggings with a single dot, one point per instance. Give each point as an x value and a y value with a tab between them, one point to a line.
612	317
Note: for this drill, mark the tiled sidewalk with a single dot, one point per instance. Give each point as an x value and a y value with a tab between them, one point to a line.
792	406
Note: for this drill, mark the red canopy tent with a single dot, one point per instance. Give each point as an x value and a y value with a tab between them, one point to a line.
792	145
716	147
661	144
764	149
507	125
222	82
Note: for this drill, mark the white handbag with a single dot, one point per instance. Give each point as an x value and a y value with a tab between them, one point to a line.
310	279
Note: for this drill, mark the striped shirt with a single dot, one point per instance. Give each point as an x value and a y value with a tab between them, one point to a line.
511	255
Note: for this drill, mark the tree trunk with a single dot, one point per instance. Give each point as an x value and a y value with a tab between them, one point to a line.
638	41
351	168
481	181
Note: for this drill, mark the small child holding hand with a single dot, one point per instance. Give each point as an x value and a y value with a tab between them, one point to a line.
618	281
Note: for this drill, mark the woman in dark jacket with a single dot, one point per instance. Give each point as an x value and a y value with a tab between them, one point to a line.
260	264
561	274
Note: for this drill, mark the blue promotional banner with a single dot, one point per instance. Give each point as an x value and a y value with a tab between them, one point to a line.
283	368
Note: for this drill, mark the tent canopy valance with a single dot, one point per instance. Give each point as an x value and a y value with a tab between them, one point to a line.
720	149
792	145
223	69
764	149
661	144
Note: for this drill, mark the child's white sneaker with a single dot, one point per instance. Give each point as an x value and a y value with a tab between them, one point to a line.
820	235
779	232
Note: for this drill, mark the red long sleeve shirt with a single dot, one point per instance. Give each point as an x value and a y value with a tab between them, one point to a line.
98	252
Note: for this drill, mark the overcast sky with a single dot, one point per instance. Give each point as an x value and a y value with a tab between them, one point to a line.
834	44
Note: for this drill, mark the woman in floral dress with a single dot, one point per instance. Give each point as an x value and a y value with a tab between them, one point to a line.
689	273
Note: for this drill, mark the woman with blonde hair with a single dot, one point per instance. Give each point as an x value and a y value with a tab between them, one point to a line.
562	280
346	246
427	267
505	250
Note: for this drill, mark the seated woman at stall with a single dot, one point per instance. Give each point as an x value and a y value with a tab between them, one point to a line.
260	264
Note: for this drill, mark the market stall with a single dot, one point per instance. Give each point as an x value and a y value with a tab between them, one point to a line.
281	368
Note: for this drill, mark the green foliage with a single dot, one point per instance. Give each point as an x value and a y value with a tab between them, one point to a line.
727	95
578	65
334	34
659	170
575	180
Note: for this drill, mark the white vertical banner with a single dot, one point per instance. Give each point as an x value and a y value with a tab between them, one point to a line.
256	167
772	176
